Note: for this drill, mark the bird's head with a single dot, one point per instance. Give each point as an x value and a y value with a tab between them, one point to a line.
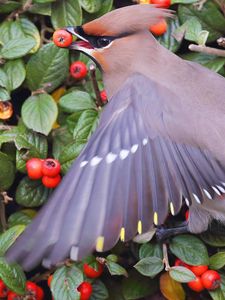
116	33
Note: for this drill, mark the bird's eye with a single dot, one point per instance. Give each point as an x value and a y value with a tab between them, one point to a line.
103	42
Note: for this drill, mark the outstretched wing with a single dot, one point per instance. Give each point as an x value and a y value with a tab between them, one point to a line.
125	180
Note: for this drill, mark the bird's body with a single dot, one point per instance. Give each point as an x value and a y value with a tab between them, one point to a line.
160	140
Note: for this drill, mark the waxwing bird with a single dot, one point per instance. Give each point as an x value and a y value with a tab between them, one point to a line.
160	143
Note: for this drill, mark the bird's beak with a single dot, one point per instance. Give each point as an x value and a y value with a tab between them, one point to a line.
81	44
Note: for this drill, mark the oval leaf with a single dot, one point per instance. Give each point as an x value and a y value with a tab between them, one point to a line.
65	13
23	217
149	250
171	289
13	276
76	101
7	173
99	292
15	72
47	68
150	266
39	113
17	48
9	236
187	248
115	269
90	6
65	283
181	274
217	261
31	193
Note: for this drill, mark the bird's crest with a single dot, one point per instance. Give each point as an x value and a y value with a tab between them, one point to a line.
127	20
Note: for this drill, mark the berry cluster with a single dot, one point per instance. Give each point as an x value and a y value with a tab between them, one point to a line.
205	278
46	169
85	288
33	291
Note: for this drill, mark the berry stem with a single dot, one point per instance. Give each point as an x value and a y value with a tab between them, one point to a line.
92	70
165	258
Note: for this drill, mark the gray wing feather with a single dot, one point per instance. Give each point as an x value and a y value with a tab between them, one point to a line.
130	173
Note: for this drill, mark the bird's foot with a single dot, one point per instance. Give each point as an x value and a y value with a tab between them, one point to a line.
163	233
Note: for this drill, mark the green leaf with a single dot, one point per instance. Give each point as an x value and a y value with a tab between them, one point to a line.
183	1
202	37
211	62
4	95
76	101
47	68
3	78
35	143
91	6
137	286
13	276
61	137
210	17
217	261
192	29
100	291
31	193
181	274
144	237
19	29
9	6
66	13
106	6
86	124
212	239
15	72
7	173
65	283
41	9
150	266
115	269
39	113
187	248
17	48
23	217
167	39
8	237
219	293
70	153
150	249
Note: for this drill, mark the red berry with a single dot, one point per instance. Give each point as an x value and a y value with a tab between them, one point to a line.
211	279
13	296
50	280
180	263
104	97
85	290
161	3
31	288
198	270
90	272
40	293
187	215
3	289
196	285
78	70
51	182
159	28
62	38
51	167
34	168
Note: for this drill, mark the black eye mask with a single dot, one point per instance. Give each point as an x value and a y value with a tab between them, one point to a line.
98	41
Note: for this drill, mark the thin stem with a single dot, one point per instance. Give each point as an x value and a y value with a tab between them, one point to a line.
2	213
92	70
165	258
207	50
19	11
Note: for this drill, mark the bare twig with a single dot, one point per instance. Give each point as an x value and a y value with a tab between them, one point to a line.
4	199
6	127
19	11
92	70
207	50
165	258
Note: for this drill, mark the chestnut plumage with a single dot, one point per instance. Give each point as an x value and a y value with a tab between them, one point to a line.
160	143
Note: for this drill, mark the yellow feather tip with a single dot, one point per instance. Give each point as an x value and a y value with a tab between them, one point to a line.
122	234
155	218
139	227
100	244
